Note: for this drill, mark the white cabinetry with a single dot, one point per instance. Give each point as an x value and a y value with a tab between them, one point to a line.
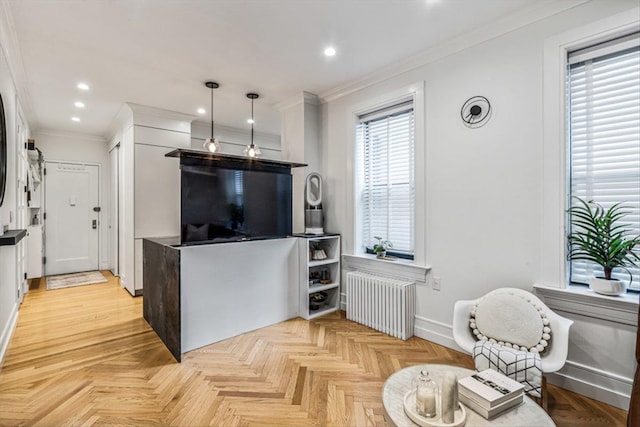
35	196
319	275
34	251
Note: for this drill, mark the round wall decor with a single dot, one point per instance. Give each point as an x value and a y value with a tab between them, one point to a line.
476	112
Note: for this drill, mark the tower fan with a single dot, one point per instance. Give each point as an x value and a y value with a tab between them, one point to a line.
313	218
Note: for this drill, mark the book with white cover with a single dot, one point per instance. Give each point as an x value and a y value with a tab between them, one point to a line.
490	387
496	410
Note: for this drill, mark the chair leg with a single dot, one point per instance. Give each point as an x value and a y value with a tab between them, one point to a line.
543	400
545	395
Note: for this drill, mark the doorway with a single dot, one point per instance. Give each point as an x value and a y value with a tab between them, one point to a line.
72	215
114	217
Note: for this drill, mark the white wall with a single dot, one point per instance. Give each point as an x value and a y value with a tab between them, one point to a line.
483	187
69	147
302	143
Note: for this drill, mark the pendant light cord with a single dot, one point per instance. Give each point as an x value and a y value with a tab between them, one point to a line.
252	122
211	114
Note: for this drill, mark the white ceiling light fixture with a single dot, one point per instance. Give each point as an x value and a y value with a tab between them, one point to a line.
252	149
83	86
79	104
211	144
201	111
75	119
330	51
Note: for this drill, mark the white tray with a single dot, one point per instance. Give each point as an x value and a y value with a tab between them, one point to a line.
459	417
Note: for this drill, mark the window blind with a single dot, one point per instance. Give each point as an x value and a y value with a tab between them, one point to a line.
604	133
385	145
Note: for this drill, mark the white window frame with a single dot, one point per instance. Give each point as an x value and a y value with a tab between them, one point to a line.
554	268
585	146
413	91
402	110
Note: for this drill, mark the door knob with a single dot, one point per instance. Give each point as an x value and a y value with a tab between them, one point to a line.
94	224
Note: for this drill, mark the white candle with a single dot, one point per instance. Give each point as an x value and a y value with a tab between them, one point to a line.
426	401
449	397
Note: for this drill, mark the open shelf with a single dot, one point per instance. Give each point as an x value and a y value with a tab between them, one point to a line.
322	262
12	237
318	288
313	271
326	309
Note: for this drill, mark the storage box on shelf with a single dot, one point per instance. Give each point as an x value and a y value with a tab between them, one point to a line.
319	274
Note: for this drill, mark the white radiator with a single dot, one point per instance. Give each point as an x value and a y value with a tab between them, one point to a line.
387	305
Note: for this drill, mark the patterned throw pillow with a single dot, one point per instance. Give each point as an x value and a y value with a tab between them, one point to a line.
511	321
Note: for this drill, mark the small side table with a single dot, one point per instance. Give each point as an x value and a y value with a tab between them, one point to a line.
525	415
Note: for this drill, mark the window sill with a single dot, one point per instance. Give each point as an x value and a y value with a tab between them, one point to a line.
401	267
580	300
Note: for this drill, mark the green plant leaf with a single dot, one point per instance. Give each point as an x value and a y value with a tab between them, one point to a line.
599	236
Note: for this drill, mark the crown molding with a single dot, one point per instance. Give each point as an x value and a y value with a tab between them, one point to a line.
159	112
118	122
65	134
502	26
13	55
300	98
310	98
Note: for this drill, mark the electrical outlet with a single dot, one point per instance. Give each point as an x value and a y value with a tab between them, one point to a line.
436	284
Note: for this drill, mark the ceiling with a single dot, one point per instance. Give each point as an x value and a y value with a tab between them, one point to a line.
160	52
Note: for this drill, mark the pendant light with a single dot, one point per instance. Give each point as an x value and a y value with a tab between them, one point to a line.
252	149
211	144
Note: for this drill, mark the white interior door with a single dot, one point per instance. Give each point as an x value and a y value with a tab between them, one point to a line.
114	214
72	192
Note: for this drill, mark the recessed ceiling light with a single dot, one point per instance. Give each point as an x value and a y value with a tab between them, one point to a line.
83	86
330	51
201	111
75	119
250	121
79	104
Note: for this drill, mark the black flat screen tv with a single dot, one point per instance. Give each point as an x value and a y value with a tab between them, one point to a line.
226	205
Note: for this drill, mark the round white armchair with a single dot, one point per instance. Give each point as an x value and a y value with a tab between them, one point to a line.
552	359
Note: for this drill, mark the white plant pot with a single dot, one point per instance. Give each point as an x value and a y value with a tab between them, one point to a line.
611	287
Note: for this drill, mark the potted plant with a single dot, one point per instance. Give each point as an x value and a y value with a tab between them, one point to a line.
599	236
381	247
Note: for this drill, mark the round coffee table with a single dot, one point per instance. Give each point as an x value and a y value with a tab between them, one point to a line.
397	385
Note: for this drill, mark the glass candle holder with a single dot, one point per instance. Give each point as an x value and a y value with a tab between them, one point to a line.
426	395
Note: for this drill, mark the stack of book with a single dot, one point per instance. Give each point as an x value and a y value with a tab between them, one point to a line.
490	393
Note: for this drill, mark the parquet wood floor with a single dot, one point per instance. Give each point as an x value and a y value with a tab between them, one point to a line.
84	356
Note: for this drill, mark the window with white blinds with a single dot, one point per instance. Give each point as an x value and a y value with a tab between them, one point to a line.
603	90
385	177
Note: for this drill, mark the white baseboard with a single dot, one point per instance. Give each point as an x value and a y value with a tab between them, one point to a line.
437	332
597	384
7	333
